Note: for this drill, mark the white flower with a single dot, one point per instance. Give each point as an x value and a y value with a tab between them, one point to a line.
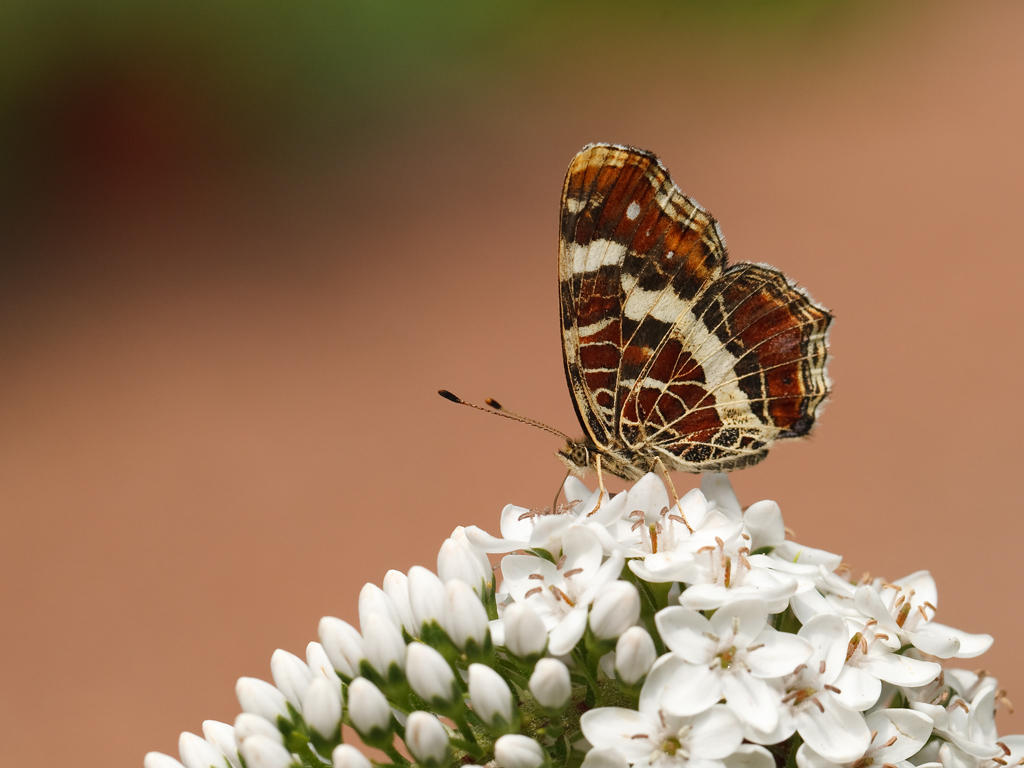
248	724
460	559
160	760
525	634
222	736
810	699
562	592
426	738
653	736
970	717
373	601
896	734
396	587
261	752
430	676
732	654
261	698
368	708
634	655
291	676
871	658
463	616
383	643
490	695
905	609
196	752
347	756
517	751
426	596
343	645
616	609
320	664
321	707
550	684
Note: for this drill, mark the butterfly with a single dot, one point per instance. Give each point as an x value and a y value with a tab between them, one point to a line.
676	359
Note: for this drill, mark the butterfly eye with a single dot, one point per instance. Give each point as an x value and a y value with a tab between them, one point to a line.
579	456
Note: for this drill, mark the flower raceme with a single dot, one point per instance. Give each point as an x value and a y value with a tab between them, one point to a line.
621	636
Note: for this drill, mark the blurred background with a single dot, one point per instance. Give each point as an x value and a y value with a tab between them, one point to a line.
242	245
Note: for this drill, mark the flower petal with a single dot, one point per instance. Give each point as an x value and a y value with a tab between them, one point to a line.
909	728
619	728
686	633
692	690
837	733
753	700
716	733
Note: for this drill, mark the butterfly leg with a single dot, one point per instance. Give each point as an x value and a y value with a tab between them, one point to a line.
672	490
600	485
554	504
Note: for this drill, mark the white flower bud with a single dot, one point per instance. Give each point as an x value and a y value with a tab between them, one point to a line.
464	617
615	610
634	654
384	643
320	664
248	725
489	694
396	586
261	698
261	752
517	751
197	752
459	559
426	596
368	707
160	760
321	707
347	756
222	736
429	674
343	645
550	684
373	601
605	757
525	634
291	676
426	738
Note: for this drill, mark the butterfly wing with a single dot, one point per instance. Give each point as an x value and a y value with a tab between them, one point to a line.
666	349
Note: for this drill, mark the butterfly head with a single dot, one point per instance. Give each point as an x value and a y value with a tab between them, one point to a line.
575	454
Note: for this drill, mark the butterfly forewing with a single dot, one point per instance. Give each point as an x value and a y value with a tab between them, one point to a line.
669	352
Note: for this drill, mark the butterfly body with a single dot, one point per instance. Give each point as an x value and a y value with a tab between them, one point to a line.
676	360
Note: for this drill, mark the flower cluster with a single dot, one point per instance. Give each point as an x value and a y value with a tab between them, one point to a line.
626	630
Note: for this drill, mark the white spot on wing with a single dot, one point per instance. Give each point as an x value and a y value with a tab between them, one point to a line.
599	253
632	211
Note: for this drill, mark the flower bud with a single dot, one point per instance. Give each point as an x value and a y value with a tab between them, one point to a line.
261	698
160	760
525	635
372	602
222	736
464	617
517	751
426	739
490	696
429	674
396	586
261	752
634	655
347	756
550	685
197	752
384	644
320	665
343	645
321	707
248	725
615	610
369	710
605	757
426	596
459	559
291	676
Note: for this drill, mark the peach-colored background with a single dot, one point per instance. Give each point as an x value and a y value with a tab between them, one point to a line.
217	397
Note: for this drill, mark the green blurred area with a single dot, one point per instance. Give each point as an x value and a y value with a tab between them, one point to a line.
264	78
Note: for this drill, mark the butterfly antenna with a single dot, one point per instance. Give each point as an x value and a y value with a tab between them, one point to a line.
498	410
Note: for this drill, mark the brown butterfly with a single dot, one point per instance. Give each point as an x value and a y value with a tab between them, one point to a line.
677	360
